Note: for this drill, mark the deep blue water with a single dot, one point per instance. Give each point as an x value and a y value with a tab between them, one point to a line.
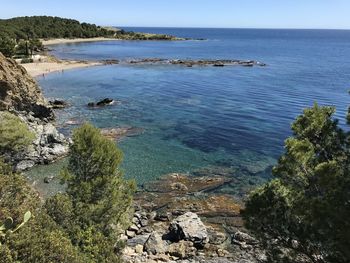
205	116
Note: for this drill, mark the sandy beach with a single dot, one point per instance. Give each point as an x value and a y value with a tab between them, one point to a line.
42	68
75	40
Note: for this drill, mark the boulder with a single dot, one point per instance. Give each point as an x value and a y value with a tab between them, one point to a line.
58	104
155	244
104	102
138	240
189	227
182	249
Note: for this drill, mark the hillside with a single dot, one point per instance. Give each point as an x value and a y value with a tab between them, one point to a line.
55	27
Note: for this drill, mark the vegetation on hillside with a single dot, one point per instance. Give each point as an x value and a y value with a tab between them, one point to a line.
51	27
304	212
21	35
82	225
14	134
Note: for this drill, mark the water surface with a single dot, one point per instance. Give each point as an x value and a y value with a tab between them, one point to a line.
194	118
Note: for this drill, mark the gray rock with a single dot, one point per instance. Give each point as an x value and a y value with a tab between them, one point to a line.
155	244
138	240
130	234
241	237
182	249
189	227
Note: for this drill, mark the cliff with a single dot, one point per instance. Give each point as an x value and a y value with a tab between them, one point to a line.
21	95
20	92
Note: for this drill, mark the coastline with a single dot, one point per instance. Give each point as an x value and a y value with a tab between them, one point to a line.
37	69
57	41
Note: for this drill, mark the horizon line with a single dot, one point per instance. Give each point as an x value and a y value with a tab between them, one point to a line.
253	28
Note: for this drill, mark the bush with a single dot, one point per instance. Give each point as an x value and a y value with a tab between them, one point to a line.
14	133
27	60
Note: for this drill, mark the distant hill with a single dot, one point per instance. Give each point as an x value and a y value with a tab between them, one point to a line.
56	27
51	27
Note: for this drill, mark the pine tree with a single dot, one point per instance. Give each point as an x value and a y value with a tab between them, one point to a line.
306	208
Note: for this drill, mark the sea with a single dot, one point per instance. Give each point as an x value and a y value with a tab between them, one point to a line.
231	120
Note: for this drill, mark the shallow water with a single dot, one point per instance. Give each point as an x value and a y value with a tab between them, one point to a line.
231	117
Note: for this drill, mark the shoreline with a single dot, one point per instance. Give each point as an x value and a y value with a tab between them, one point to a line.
37	69
57	41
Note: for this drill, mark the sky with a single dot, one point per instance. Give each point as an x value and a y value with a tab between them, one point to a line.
321	14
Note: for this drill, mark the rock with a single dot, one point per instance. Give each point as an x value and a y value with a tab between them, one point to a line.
189	227
24	165
130	234
216	237
155	244
144	222
179	186
139	249
48	179
120	132
58	104
110	61
163	216
222	252
138	240
241	237
134	228
105	102
182	249
20	92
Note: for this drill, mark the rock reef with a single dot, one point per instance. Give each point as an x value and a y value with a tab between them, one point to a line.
191	63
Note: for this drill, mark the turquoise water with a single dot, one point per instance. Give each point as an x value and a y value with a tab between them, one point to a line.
193	118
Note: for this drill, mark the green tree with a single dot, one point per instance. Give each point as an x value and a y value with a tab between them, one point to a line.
35	45
305	210
7	46
40	239
97	204
14	133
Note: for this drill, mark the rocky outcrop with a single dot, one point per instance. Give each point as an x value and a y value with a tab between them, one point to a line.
21	95
20	92
189	227
182	218
101	103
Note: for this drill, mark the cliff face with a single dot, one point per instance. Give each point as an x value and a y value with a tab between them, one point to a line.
21	95
20	92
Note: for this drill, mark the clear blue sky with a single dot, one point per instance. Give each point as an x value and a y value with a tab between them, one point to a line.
191	13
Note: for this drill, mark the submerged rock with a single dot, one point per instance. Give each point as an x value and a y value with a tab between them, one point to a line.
120	132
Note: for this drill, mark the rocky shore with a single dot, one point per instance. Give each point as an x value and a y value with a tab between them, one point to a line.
21	95
182	222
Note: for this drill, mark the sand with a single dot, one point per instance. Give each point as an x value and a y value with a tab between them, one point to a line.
75	40
37	69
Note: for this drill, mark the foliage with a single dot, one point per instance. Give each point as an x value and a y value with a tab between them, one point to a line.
8	227
14	133
97	204
305	210
50	27
7	46
26	60
39	239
